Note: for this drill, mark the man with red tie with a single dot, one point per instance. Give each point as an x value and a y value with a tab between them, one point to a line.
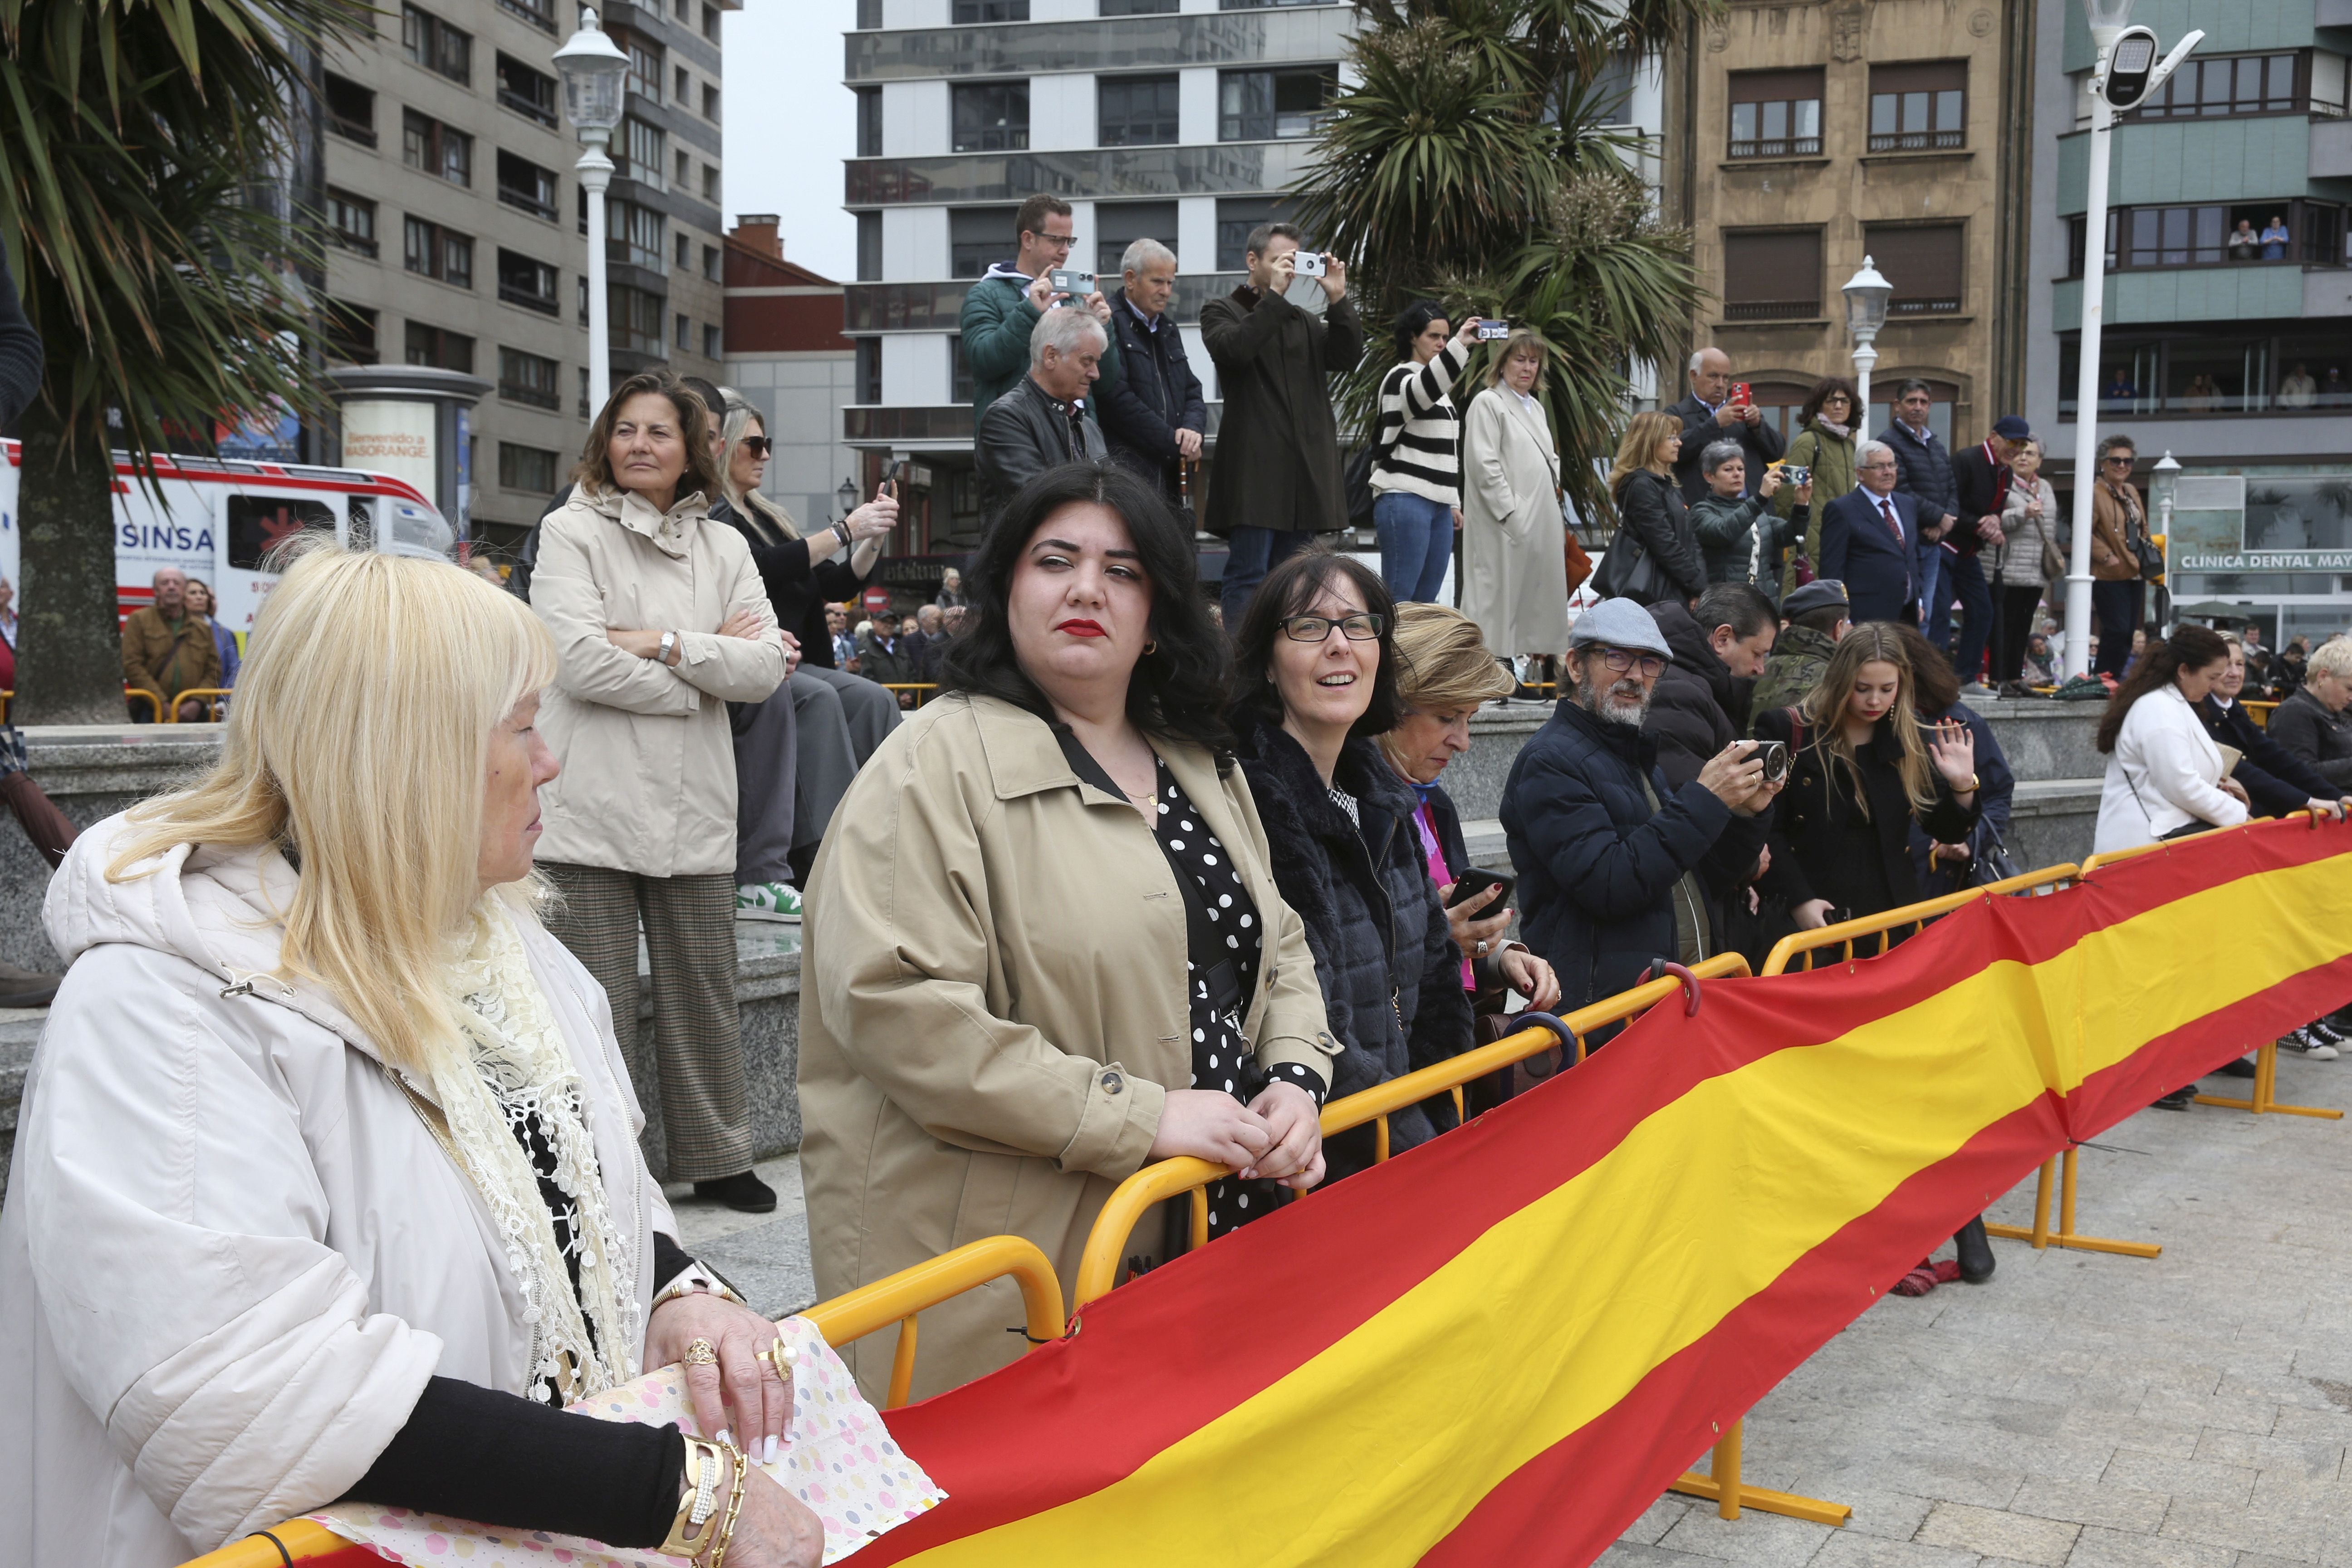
1869	537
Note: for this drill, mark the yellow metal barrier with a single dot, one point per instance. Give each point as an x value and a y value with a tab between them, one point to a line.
154	703
902	1296
922	689
2260	712
211	696
296	1540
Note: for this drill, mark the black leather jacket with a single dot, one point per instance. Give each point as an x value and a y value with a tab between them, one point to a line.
1025	432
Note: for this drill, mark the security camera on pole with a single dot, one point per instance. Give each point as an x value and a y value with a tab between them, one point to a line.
2128	72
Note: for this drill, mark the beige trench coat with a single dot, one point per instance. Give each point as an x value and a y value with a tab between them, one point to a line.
992	1010
648	780
1513	571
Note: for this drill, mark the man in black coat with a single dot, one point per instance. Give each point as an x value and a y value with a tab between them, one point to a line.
1980	477
20	352
1048	418
1708	414
1874	553
1924	472
1610	855
1153	418
1700	704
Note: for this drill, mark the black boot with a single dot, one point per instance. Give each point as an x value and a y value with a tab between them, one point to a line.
1975	1252
745	1193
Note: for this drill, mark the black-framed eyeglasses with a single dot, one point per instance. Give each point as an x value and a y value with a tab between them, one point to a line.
1619	660
758	445
1362	626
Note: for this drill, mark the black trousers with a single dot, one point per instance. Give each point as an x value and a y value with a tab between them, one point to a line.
2017	607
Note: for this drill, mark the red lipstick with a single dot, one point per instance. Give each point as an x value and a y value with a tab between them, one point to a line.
1081	628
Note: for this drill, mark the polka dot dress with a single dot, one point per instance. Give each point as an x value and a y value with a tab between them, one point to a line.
1222	1058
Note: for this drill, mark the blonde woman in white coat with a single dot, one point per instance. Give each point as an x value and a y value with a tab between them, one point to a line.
660	620
1514	568
326	1182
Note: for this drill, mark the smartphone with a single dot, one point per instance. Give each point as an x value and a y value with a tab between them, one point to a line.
1476	880
1306	264
1774	754
1077	285
1795	474
1493	331
1742	394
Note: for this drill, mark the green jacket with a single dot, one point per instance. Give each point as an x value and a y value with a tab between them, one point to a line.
1795	668
996	323
1729	539
1832	459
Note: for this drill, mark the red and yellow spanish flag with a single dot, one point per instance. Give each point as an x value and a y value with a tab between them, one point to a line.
1502	1346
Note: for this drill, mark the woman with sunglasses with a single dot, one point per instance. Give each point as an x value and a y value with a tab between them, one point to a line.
1315	681
2117	519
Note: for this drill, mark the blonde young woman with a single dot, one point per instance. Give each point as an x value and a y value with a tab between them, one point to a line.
1514	568
327	1183
1655	554
661	621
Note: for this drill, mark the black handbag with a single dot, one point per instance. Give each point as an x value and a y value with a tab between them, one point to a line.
1627	570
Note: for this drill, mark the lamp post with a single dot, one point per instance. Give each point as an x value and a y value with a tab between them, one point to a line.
2162	483
847	495
2126	72
1866	294
593	68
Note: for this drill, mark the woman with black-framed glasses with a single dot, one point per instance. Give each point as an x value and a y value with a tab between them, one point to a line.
2117	519
1315	687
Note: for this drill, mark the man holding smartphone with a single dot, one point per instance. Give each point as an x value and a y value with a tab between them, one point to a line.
1718	409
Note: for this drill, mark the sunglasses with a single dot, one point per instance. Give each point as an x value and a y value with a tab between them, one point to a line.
2119	462
1359	628
758	445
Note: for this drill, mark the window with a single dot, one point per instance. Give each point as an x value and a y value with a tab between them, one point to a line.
990	116
2266	368
869	16
710	262
350	333
1771	274
642	148
711	101
977	238
437	252
352	218
438	348
869	248
644	65
1918	108
1138	8
1273	105
634	235
1776	114
528	93
539	13
710	24
1237	216
685	248
528	468
351	111
2208	88
523	183
425	143
992	10
436	45
1136	110
2211	235
1118	224
1780	402
528	378
583	281
869	121
682	85
709	342
636	319
959	383
869	370
527	281
685	331
685	168
1924	261
258	524
709	182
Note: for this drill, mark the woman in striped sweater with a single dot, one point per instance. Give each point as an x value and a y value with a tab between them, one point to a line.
1417	477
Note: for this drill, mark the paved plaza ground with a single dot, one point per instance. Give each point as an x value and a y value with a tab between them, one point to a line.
2084	1410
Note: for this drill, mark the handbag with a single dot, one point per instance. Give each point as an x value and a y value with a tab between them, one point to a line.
2150	558
1481	1095
1580	560
1628	572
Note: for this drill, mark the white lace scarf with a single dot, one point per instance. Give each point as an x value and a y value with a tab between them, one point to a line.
516	1066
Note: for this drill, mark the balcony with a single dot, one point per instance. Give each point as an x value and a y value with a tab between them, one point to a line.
1773	311
1780	147
1919	142
1242	168
938	307
1306	34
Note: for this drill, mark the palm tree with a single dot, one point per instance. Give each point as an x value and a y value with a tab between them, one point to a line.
1472	162
138	140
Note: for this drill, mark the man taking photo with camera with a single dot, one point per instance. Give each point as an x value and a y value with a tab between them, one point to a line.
1002	310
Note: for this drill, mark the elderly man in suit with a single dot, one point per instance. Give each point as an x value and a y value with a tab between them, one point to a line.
1869	541
1709	414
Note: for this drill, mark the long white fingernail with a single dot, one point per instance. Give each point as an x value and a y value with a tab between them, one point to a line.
726	1434
773	1446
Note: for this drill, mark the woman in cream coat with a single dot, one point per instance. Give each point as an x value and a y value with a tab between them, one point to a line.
2165	776
1514	568
272	1238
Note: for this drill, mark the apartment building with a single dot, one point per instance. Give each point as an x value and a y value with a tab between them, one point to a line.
787	356
2235	357
1180	120
1809	133
457	223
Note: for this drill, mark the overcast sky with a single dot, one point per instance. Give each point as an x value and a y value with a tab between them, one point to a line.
789	123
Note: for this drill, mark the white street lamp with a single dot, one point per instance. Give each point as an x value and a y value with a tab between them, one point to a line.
593	67
2163	484
1866	294
2127	73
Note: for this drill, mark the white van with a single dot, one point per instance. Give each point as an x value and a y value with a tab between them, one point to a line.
218	519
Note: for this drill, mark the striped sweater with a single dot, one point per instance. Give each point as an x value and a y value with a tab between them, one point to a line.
1417	415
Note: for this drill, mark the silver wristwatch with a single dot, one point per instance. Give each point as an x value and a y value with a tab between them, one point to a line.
668	646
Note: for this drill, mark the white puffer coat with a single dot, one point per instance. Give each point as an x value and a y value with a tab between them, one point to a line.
232	1253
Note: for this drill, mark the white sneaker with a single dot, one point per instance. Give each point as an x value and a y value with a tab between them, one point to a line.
768	901
1978	691
2301	1044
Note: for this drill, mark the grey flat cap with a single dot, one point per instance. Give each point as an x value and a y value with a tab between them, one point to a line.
1619	623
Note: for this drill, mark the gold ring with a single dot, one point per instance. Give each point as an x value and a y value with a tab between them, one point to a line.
700	1353
779	1358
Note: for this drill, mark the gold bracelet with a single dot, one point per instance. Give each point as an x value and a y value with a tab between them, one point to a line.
734	1504
687	1536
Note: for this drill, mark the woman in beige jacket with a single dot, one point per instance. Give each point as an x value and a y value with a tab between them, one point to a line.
660	620
1514	564
1044	945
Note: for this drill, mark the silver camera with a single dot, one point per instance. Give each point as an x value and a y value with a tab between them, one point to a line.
1066	281
1493	331
1307	264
